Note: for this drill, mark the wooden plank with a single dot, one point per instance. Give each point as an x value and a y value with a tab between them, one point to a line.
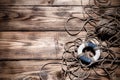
38	18
50	2
21	70
37	45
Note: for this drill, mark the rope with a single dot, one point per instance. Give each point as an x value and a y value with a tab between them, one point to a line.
104	32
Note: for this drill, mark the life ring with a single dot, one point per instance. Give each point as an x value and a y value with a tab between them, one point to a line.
84	58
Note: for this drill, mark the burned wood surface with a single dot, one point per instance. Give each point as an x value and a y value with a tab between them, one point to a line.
32	33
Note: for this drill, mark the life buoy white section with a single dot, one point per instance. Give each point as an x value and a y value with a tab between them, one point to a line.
92	45
96	57
80	49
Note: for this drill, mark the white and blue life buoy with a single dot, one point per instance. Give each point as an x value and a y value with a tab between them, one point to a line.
86	59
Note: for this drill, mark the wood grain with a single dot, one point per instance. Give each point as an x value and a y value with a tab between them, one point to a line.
21	45
19	70
35	45
38	18
24	69
51	2
32	34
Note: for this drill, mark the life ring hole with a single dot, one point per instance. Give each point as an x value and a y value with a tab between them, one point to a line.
89	51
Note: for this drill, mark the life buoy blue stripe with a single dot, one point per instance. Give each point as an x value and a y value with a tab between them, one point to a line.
85	59
90	44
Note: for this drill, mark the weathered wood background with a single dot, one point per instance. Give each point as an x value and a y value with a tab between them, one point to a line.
32	33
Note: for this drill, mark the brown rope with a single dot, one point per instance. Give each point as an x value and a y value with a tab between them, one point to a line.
107	32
